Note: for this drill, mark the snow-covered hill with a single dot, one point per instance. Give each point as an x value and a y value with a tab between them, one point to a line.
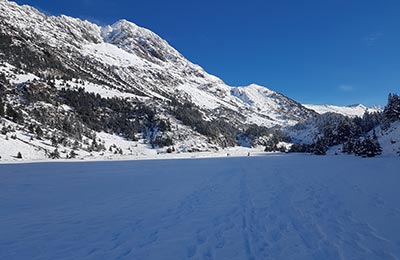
351	111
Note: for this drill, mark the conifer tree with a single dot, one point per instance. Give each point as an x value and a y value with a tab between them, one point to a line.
320	147
1	108
392	109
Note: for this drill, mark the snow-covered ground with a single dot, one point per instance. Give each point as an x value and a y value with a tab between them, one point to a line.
34	150
261	207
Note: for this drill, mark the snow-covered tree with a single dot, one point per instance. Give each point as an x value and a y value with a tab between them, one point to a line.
369	147
392	109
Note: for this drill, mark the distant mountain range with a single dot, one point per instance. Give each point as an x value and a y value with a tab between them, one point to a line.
351	110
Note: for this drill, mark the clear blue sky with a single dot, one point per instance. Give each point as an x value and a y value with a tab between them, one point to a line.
315	51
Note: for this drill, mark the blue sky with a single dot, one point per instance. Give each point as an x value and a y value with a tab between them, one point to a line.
315	51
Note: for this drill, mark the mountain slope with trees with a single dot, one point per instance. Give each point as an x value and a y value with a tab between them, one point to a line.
70	88
354	135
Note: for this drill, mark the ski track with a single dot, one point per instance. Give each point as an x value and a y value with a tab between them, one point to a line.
230	208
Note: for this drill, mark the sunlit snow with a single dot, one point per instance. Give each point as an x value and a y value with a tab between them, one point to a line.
265	207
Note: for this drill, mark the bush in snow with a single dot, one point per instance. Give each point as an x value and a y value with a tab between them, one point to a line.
301	148
54	154
72	154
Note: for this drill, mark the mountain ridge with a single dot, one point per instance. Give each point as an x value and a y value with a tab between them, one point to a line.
350	110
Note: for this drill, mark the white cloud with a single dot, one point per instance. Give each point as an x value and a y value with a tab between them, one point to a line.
372	38
346	88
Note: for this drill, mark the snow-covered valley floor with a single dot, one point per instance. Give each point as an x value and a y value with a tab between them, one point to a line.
264	207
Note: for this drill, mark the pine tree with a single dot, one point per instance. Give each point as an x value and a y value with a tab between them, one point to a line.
54	141
1	108
72	154
54	154
39	132
270	146
14	114
369	147
31	128
349	146
320	147
392	109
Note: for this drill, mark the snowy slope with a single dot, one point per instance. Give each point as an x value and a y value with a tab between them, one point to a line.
389	139
265	101
298	207
351	111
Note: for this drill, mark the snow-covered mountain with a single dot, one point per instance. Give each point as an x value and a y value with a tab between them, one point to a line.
73	86
130	58
61	55
351	111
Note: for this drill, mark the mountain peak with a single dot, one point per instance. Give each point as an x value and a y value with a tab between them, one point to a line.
357	106
124	21
258	88
125	25
140	41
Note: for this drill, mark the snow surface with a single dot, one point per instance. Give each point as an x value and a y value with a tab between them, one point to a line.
389	139
112	55
16	76
265	207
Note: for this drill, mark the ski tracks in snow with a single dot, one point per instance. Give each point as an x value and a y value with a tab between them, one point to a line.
278	224
237	208
328	229
277	215
341	230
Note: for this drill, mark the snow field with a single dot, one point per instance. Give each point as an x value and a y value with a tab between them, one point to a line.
264	207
